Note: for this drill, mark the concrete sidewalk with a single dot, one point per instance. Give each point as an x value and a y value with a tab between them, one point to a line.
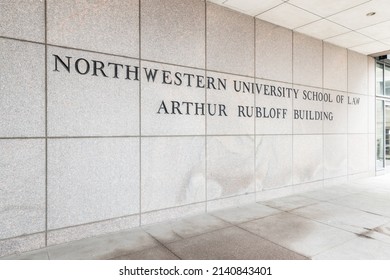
350	221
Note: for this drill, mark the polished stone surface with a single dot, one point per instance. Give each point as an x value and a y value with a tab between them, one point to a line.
230	244
103	247
232	120
91	180
307	60
157	216
335	67
342	217
230	166
91	105
289	203
339	124
245	213
74	233
159	121
22	100
22	187
357	73
155	253
163	39
335	155
273	48
104	26
266	125
23	20
273	161
307	158
309	238
230	41
168	232
173	172
358	114
21	244
305	121
357	153
354	223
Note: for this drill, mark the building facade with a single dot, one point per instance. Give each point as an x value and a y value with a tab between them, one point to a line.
117	114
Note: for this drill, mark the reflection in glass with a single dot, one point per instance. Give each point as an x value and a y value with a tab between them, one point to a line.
387	80
380	163
379	79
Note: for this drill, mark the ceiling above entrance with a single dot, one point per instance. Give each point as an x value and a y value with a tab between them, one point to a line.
359	25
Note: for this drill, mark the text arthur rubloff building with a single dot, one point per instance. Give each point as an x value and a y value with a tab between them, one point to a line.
118	114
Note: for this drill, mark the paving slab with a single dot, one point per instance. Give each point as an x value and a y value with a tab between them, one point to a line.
183	228
245	213
298	234
230	244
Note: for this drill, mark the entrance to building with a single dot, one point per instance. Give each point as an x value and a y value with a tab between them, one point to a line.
387	137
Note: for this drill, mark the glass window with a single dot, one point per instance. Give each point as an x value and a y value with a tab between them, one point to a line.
387	80
379	79
380	163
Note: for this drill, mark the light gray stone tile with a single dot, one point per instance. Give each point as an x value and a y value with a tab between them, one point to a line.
346	218
233	201
237	104
91	105
335	155
326	194
335	67
307	111
245	213
230	41
104	26
168	232
307	158
59	236
22	101
357	72
156	253
290	202
22	187
274	49
158	101
276	116
103	247
357	153
91	180
269	194
173	172
230	166
307	60
172	213
371	114
230	244
309	238
307	187
360	248
371	76
273	161
163	39
358	114
335	181
339	109
23	19
34	255
363	201
22	244
372	153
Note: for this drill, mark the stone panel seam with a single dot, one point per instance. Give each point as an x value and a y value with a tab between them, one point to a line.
46	128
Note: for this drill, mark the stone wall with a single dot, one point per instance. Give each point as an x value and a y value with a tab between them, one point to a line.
90	143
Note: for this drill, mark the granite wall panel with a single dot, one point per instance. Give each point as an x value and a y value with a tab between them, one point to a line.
126	113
